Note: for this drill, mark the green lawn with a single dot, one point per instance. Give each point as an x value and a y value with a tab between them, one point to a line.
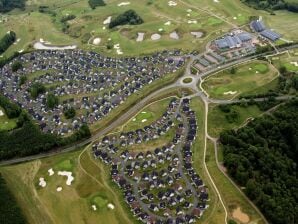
247	77
6	123
148	115
71	205
217	121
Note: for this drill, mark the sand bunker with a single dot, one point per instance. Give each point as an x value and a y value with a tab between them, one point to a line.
295	63
239	215
134	119
160	29
17	41
118	49
216	1
94	207
144	112
1	113
140	37
59	189
155	36
197	34
172	3
144	120
107	20
111	206
124	3
45	46
192	21
168	23
96	41
20	51
42	182
174	35
70	178
51	172
230	93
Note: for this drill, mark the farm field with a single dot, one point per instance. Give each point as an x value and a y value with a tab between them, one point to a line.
246	78
48	205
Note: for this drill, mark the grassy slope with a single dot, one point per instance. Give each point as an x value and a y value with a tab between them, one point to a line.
6	123
217	121
247	78
45	205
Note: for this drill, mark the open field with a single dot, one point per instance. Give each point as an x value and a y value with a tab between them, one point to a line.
288	60
5	122
47	205
237	204
217	121
248	77
148	115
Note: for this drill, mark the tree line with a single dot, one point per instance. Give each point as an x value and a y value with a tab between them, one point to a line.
273	4
6	41
263	157
10	212
7	5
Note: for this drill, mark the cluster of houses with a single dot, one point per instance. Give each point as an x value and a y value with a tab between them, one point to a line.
90	83
159	185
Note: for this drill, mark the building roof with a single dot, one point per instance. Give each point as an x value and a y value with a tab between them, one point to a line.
270	35
258	25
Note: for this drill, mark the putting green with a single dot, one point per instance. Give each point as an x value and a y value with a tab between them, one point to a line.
247	77
100	202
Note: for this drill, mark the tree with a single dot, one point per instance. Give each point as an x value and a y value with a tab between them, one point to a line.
70	113
233	70
23	80
16	66
128	17
6	41
95	3
52	100
36	89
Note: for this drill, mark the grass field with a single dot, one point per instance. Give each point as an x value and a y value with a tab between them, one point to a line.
217	121
288	60
5	122
148	115
74	203
248	77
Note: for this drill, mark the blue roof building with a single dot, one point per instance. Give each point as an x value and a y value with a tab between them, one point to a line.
269	34
233	41
257	26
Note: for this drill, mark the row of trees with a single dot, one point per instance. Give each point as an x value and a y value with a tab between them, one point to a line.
263	158
128	17
6	41
11	110
95	3
10	211
273	4
7	5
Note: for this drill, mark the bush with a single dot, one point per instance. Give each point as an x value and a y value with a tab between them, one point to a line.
16	66
7	5
52	100
129	17
36	89
95	3
70	113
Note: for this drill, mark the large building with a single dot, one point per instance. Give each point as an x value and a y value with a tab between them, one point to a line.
259	27
233	40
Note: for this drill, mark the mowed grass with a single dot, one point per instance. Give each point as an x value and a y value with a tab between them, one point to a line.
6	123
248	77
289	61
217	121
231	196
148	115
74	203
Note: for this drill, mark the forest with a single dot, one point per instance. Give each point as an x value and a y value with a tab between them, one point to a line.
273	4
7	40
129	17
7	5
10	212
262	157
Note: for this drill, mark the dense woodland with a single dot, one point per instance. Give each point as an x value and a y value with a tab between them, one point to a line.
7	40
7	5
129	17
27	139
273	4
263	158
10	213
